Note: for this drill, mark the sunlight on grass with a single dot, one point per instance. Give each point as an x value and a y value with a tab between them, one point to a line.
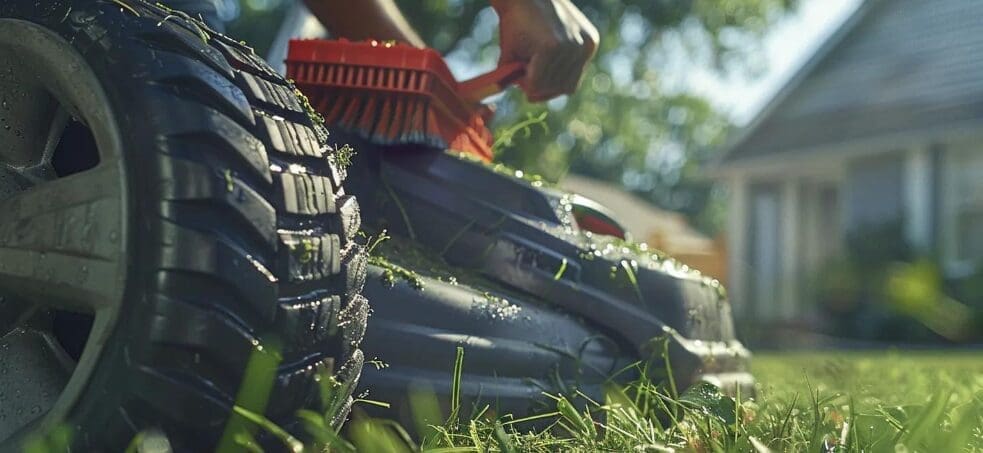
806	402
829	402
920	401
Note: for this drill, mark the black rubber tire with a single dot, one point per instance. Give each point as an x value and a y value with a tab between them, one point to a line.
241	234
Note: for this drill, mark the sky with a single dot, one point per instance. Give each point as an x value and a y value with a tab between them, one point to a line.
788	45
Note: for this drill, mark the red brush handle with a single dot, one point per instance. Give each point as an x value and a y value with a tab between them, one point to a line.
494	82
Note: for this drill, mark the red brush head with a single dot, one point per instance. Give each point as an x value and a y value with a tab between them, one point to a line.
395	93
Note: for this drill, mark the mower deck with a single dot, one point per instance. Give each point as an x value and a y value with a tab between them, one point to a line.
520	237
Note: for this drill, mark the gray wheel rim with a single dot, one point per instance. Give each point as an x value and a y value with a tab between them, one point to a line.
63	240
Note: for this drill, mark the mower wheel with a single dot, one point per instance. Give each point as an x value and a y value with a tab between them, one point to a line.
174	237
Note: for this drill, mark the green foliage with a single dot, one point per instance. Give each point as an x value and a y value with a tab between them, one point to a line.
627	124
391	271
883	289
344	155
505	136
631	122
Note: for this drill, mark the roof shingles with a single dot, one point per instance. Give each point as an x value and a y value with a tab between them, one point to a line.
904	65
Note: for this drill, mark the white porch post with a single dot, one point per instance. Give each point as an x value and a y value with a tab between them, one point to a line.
791	247
918	198
811	248
737	237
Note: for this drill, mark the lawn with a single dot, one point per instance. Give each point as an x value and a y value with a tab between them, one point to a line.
892	401
833	401
930	401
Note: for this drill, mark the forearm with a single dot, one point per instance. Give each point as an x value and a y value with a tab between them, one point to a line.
364	19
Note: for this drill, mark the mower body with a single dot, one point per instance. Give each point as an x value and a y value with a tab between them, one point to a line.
501	266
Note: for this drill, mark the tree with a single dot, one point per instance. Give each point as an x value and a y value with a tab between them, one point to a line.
625	124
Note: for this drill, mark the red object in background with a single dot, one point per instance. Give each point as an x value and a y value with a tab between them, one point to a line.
593	217
395	94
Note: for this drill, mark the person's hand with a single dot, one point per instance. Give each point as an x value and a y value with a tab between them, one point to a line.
553	37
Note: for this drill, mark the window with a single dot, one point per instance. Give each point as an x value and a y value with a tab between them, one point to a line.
765	252
962	203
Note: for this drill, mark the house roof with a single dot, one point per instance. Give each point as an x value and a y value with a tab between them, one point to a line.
896	66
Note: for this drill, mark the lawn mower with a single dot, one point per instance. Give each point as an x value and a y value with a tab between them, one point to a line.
539	287
183	245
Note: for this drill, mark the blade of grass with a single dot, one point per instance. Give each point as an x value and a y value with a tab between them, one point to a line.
562	270
247	442
426	413
254	393
402	210
457	236
289	441
928	421
502	439
324	435
629	269
456	386
530	418
375	403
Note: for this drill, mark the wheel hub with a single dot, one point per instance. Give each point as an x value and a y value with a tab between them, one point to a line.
62	228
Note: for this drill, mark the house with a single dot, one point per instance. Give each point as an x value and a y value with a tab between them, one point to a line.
882	126
663	230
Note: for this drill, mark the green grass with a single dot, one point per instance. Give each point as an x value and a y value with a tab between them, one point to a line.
850	402
830	402
889	401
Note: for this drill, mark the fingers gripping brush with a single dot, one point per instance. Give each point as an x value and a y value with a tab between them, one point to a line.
397	94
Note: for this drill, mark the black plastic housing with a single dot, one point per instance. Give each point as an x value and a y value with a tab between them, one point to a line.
522	236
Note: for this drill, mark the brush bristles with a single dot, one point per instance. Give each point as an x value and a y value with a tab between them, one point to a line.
390	102
383	118
400	112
